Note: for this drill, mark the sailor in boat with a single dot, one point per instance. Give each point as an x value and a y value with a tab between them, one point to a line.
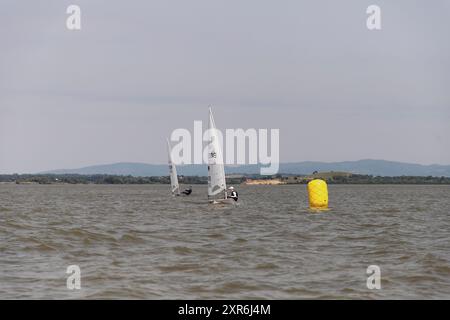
187	191
232	194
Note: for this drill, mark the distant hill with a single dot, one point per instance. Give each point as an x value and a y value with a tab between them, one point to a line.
370	167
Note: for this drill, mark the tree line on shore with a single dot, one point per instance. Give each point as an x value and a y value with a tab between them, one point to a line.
116	179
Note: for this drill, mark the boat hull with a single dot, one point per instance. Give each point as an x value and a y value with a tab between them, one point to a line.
223	201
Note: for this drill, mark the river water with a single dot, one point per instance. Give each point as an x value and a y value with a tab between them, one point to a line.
138	242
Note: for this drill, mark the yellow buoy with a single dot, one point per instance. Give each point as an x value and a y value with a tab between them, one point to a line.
318	194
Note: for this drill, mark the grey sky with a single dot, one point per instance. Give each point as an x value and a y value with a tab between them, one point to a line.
139	69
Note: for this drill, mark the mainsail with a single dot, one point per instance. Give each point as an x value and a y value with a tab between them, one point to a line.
216	170
175	188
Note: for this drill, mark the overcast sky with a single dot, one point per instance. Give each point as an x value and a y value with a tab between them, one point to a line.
114	90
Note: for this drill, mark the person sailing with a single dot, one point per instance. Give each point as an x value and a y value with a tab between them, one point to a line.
232	194
187	191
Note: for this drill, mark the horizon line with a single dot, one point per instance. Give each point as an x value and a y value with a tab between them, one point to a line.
240	165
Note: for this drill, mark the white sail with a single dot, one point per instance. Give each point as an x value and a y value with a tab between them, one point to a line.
216	170
174	187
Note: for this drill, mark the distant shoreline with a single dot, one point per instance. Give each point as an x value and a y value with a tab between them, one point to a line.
280	179
365	166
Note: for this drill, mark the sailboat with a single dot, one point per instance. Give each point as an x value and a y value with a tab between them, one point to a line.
217	187
174	186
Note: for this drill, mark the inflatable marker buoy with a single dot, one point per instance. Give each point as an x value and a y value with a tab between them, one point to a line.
318	194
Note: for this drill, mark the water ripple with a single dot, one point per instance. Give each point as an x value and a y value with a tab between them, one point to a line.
138	242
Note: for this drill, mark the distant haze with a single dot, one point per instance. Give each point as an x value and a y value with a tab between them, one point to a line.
371	167
113	91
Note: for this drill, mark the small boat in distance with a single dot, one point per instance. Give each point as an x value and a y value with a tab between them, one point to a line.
174	186
217	187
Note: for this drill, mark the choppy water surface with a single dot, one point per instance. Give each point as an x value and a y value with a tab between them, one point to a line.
137	242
